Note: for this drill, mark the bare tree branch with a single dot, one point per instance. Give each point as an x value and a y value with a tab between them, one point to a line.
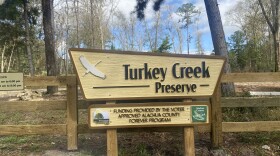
266	17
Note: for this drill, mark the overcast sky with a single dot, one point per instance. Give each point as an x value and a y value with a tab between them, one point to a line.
126	6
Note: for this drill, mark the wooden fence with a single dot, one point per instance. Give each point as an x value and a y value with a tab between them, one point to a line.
71	128
256	126
70	105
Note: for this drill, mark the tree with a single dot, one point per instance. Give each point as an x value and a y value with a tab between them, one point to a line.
216	27
125	32
15	33
187	11
258	40
165	45
27	37
77	22
48	23
198	33
237	47
153	30
174	30
273	24
218	38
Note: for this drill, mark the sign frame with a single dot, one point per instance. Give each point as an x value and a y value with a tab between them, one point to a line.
148	54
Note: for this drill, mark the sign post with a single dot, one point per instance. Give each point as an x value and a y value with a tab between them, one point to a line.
114	75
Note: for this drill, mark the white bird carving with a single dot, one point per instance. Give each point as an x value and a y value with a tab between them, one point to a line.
91	68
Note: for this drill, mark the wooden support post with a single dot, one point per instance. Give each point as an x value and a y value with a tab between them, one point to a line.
112	139
216	116
189	145
189	141
72	114
112	142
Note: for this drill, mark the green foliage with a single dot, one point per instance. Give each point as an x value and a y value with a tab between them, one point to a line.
11	20
142	150
11	23
165	45
251	48
248	53
12	34
237	53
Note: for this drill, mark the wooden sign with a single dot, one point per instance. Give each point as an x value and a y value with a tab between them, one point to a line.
123	116
11	81
105	75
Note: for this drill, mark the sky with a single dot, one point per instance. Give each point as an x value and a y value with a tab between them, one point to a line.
126	6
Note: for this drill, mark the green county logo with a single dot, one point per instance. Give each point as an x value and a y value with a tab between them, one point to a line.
199	113
101	117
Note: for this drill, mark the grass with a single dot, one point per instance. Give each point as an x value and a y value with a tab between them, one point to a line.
258	138
251	114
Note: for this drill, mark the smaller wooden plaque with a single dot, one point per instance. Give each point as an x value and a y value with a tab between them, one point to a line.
11	81
145	115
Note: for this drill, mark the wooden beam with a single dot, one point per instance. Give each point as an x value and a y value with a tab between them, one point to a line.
72	114
251	77
256	126
44	81
251	102
13	106
189	141
33	129
84	104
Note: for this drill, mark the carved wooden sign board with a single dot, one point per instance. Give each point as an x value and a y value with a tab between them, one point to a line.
106	75
116	75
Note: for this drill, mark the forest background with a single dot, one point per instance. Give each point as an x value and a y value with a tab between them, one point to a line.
178	27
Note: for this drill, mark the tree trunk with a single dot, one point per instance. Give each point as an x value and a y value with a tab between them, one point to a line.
148	35
179	33
218	39
48	23
11	56
27	38
2	58
276	51
67	39
99	18
77	21
92	25
188	40
157	29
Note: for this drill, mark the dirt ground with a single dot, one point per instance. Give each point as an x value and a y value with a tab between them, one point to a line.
142	144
